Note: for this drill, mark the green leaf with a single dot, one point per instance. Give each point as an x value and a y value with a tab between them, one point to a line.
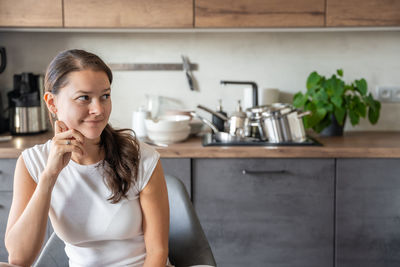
340	114
313	80
361	86
337	101
354	117
361	109
374	112
321	96
299	100
340	72
316	117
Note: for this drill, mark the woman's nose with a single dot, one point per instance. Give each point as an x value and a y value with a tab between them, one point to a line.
96	108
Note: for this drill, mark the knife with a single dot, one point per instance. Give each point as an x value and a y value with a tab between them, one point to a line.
186	68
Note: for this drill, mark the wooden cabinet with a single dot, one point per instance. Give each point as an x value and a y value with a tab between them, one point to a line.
368	213
259	13
280	215
31	13
363	13
129	13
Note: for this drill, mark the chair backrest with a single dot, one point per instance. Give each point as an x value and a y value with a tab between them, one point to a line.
188	244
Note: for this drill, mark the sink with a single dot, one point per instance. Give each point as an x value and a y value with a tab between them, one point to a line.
209	140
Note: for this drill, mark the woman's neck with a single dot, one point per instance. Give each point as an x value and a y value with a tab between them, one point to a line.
92	153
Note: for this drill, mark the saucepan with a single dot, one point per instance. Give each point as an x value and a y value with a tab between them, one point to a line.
221	137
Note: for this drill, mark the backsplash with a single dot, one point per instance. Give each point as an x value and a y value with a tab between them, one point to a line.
271	59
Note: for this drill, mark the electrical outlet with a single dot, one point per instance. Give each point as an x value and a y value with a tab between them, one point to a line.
388	93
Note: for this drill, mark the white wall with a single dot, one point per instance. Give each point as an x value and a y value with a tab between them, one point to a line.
280	60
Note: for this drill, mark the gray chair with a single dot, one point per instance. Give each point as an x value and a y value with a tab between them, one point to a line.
188	244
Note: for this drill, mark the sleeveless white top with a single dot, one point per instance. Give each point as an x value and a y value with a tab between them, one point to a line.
95	232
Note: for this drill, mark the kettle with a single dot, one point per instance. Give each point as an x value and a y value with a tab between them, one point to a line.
3	59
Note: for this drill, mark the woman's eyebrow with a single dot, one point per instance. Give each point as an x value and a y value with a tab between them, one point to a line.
89	92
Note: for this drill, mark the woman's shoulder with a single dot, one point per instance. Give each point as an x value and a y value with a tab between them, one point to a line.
35	158
38	150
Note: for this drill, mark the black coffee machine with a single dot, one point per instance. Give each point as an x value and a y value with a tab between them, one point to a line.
26	107
3	119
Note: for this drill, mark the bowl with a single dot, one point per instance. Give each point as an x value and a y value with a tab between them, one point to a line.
167	123
168	137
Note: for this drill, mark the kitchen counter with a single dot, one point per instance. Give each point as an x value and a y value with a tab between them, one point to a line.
351	145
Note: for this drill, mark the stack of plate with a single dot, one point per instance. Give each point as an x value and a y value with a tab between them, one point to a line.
168	129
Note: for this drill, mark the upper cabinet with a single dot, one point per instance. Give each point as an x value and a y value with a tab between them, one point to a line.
128	13
363	13
259	13
31	13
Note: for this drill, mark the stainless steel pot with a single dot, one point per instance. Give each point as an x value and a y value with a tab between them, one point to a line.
222	137
295	119
236	124
276	125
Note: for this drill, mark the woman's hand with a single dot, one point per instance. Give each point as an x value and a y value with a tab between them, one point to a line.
64	142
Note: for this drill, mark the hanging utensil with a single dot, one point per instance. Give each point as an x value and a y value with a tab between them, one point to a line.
186	68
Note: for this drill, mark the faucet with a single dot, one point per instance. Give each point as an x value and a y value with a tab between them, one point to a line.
253	85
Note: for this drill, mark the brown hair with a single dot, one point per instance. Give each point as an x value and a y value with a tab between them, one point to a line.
120	146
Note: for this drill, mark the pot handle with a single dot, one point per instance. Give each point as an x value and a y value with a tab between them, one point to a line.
205	121
305	113
222	117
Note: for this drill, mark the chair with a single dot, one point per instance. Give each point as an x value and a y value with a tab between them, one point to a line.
188	245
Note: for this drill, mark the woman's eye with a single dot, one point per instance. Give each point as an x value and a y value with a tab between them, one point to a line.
106	96
84	98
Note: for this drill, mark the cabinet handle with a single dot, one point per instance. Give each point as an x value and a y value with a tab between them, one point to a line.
244	172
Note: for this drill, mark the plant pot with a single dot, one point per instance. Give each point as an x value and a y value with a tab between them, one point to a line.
334	129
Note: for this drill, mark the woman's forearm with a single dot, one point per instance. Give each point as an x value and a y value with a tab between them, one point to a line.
156	259
24	240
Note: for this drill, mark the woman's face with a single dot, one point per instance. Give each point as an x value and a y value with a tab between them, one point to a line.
84	104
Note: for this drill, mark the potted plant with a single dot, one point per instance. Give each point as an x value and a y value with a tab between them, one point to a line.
332	100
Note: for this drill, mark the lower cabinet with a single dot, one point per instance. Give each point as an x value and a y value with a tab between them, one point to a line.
179	168
5	204
368	213
267	212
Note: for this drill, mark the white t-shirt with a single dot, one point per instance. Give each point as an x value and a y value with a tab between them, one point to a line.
95	232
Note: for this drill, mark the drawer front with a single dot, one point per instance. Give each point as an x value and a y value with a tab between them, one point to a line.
266	212
7	168
5	204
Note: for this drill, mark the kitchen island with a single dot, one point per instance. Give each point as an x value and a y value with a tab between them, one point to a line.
331	205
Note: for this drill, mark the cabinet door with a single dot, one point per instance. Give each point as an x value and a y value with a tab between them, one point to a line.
5	204
129	13
179	168
31	13
368	212
259	13
7	168
280	215
363	13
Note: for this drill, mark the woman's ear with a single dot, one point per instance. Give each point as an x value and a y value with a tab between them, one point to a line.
50	102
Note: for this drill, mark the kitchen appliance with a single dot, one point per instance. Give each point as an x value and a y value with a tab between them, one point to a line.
26	108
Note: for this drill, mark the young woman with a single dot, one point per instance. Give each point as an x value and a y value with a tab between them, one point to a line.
104	190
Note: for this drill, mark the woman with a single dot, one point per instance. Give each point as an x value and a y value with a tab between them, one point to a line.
104	191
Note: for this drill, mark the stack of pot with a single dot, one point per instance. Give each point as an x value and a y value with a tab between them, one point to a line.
275	123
